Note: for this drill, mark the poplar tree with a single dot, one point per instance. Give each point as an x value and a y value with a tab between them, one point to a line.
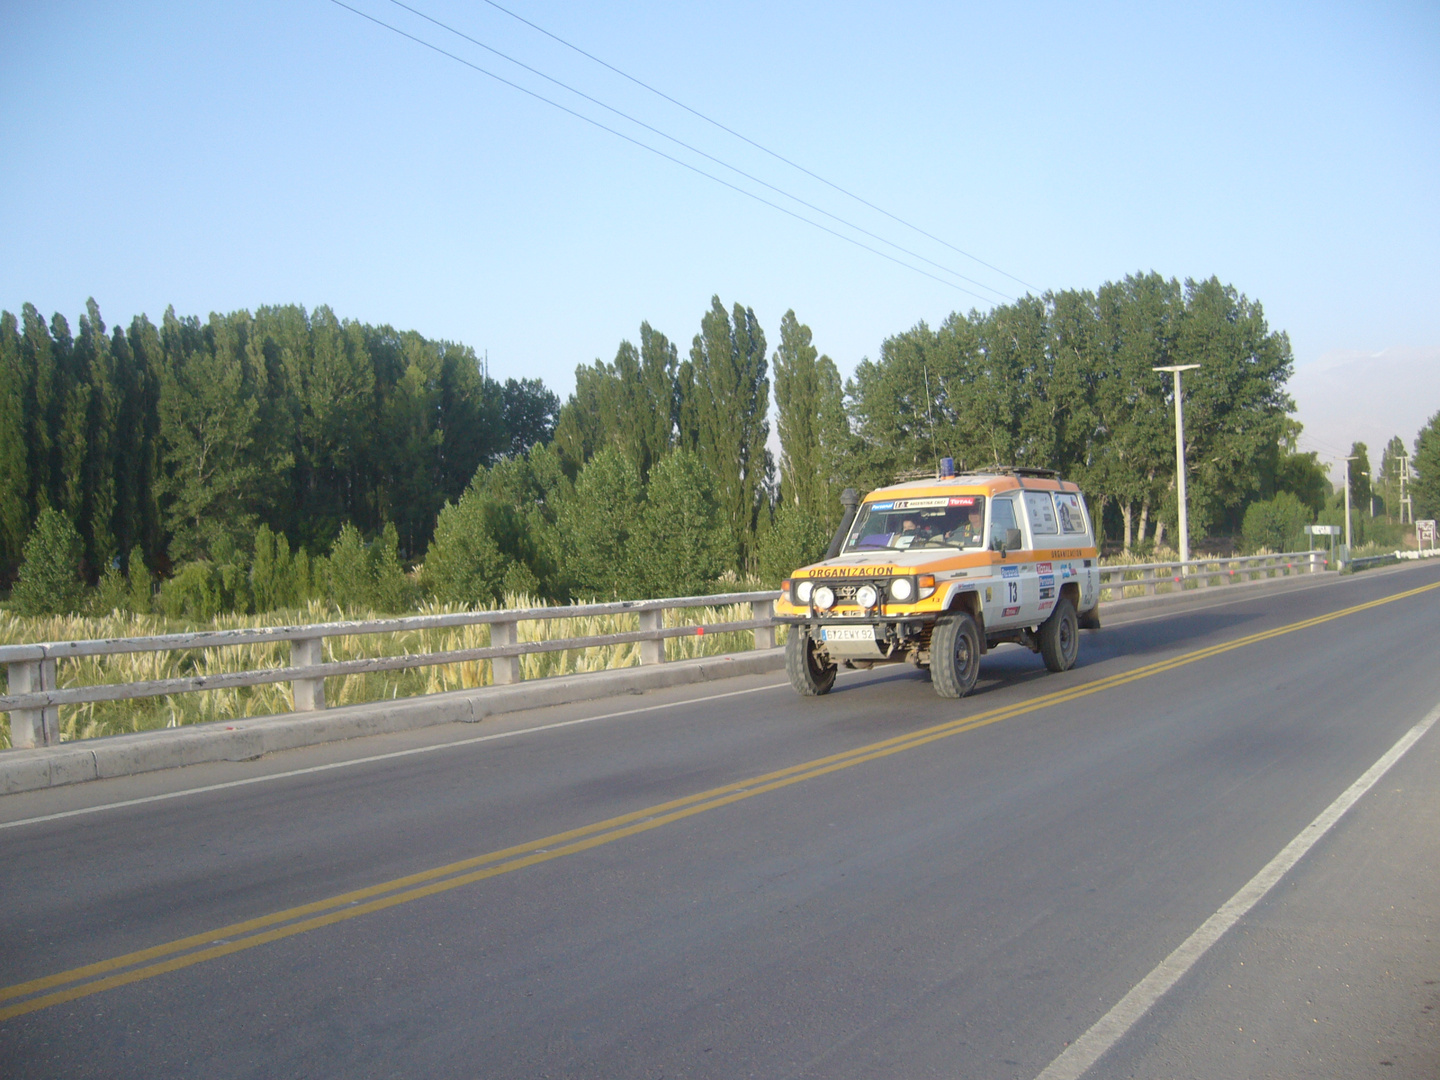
810	420
14	461
1427	469
725	399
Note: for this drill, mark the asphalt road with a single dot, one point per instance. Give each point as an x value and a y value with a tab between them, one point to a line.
728	881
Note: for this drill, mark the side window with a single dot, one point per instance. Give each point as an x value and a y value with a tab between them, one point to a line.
1002	520
1069	512
1041	512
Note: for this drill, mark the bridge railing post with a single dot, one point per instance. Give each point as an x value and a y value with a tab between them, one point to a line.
31	728
309	694
504	670
652	652
764	635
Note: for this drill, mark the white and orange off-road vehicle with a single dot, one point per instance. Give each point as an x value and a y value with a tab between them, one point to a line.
935	572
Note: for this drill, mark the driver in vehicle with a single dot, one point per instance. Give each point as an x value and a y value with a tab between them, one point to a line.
969	533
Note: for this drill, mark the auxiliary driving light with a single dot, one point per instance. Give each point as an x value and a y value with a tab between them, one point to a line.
866	596
824	598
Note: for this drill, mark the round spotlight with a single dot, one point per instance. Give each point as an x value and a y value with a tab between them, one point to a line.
902	589
803	591
867	596
824	598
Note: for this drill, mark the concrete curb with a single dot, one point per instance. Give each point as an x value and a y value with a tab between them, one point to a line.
242	740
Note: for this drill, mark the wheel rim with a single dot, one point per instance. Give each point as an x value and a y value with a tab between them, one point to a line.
964	655
1067	637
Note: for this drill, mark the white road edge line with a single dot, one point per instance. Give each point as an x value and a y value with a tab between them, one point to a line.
378	757
1110	1028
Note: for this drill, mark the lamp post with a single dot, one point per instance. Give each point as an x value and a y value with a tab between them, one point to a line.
1176	369
1347	507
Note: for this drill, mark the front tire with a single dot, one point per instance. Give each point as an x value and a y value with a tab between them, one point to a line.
955	655
810	674
1060	637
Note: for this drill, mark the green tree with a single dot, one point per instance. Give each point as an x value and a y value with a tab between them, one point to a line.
1235	404
207	426
724	399
529	409
141	584
682	544
595	525
1360	478
810	420
1392	460
794	539
14	460
1427	470
1277	524
629	403
464	564
50	582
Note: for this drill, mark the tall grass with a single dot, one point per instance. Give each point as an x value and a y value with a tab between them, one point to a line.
144	714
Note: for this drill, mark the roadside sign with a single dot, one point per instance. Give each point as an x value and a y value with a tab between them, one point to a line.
1328	530
1425	532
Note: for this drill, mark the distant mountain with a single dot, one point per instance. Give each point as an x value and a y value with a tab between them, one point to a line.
1349	396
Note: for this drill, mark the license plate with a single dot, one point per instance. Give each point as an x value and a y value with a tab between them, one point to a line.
849	633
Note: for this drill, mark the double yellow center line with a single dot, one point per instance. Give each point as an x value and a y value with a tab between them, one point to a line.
198	948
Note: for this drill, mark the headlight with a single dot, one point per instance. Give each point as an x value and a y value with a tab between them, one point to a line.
902	589
824	598
803	591
866	596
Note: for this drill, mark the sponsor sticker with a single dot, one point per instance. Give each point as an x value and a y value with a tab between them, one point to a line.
1047	579
968	586
1009	571
913	504
988	596
1009	611
1047	605
1047	593
1043	568
962	500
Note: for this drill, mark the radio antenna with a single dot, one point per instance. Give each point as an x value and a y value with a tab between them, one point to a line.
930	411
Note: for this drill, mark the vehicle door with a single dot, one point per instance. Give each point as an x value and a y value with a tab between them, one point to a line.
1004	600
1039	586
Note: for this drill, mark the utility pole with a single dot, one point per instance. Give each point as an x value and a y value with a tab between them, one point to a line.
1347	507
1180	462
1405	506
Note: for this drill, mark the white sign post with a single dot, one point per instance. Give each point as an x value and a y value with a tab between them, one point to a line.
1425	533
1332	531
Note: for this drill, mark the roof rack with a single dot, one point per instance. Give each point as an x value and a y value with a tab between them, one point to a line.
1020	471
1024	471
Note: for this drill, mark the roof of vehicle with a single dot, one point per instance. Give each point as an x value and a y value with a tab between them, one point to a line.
979	483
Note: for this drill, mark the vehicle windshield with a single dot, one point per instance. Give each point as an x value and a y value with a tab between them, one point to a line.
954	521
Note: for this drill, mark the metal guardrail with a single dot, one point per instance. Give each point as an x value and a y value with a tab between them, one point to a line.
33	700
1150	578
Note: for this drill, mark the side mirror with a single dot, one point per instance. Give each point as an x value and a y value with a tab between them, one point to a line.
1012	539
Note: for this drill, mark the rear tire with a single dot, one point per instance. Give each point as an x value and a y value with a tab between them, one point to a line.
1060	637
955	655
810	674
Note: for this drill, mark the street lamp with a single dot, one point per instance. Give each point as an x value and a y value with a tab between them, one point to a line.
1176	369
1347	506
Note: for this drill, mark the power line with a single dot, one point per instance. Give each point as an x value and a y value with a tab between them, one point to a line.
645	146
758	146
696	150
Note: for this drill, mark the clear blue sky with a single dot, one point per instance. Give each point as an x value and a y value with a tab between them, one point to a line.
218	156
